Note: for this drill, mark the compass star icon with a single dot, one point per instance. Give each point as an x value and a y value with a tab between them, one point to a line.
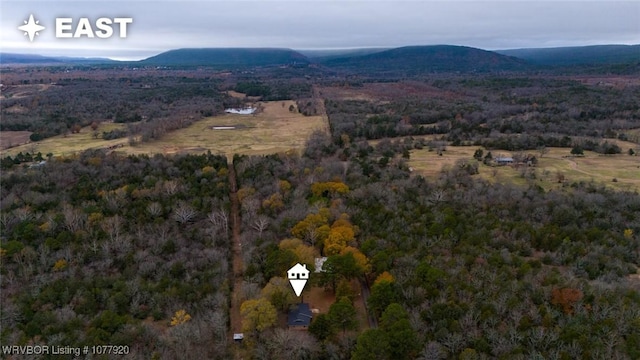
31	27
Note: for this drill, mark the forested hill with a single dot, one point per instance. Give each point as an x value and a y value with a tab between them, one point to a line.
583	55
228	56
11	58
428	59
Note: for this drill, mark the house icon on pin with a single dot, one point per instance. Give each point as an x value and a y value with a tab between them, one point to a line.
298	271
298	276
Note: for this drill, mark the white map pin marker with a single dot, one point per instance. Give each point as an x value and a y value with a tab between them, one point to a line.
298	276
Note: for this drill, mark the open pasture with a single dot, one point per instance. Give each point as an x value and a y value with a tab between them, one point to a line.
554	166
272	129
70	143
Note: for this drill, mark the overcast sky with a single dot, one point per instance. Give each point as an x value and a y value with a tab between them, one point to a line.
312	24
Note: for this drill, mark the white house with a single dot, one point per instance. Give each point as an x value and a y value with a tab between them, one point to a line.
298	271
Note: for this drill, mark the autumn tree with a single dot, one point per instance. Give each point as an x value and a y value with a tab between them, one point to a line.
566	298
309	229
329	189
273	204
279	293
341	234
364	267
180	317
304	254
257	315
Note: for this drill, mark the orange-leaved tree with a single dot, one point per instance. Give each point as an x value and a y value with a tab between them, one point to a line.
566	298
342	233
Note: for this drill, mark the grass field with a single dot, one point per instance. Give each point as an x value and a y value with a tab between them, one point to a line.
71	143
591	167
273	129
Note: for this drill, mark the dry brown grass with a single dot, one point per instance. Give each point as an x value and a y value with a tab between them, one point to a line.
236	94
274	129
591	167
69	144
386	91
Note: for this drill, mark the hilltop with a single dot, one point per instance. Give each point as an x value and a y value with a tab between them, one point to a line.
430	59
228	56
582	55
28	59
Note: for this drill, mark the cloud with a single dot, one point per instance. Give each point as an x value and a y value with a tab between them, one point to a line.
163	25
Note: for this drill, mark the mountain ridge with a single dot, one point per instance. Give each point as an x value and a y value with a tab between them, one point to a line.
227	57
431	58
404	60
26	59
577	55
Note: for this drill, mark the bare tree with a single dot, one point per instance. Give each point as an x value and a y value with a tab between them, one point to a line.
220	219
73	218
437	196
111	226
170	187
542	150
183	213
454	342
6	219
250	207
260	224
433	351
23	214
154	209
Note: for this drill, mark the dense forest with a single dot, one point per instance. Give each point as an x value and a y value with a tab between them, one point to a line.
101	249
113	248
510	113
155	105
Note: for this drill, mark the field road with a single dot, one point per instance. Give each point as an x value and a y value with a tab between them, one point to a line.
366	291
237	269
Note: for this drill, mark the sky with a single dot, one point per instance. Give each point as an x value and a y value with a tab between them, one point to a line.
318	24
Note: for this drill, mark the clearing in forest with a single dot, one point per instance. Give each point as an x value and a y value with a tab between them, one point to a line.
71	143
553	166
274	128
